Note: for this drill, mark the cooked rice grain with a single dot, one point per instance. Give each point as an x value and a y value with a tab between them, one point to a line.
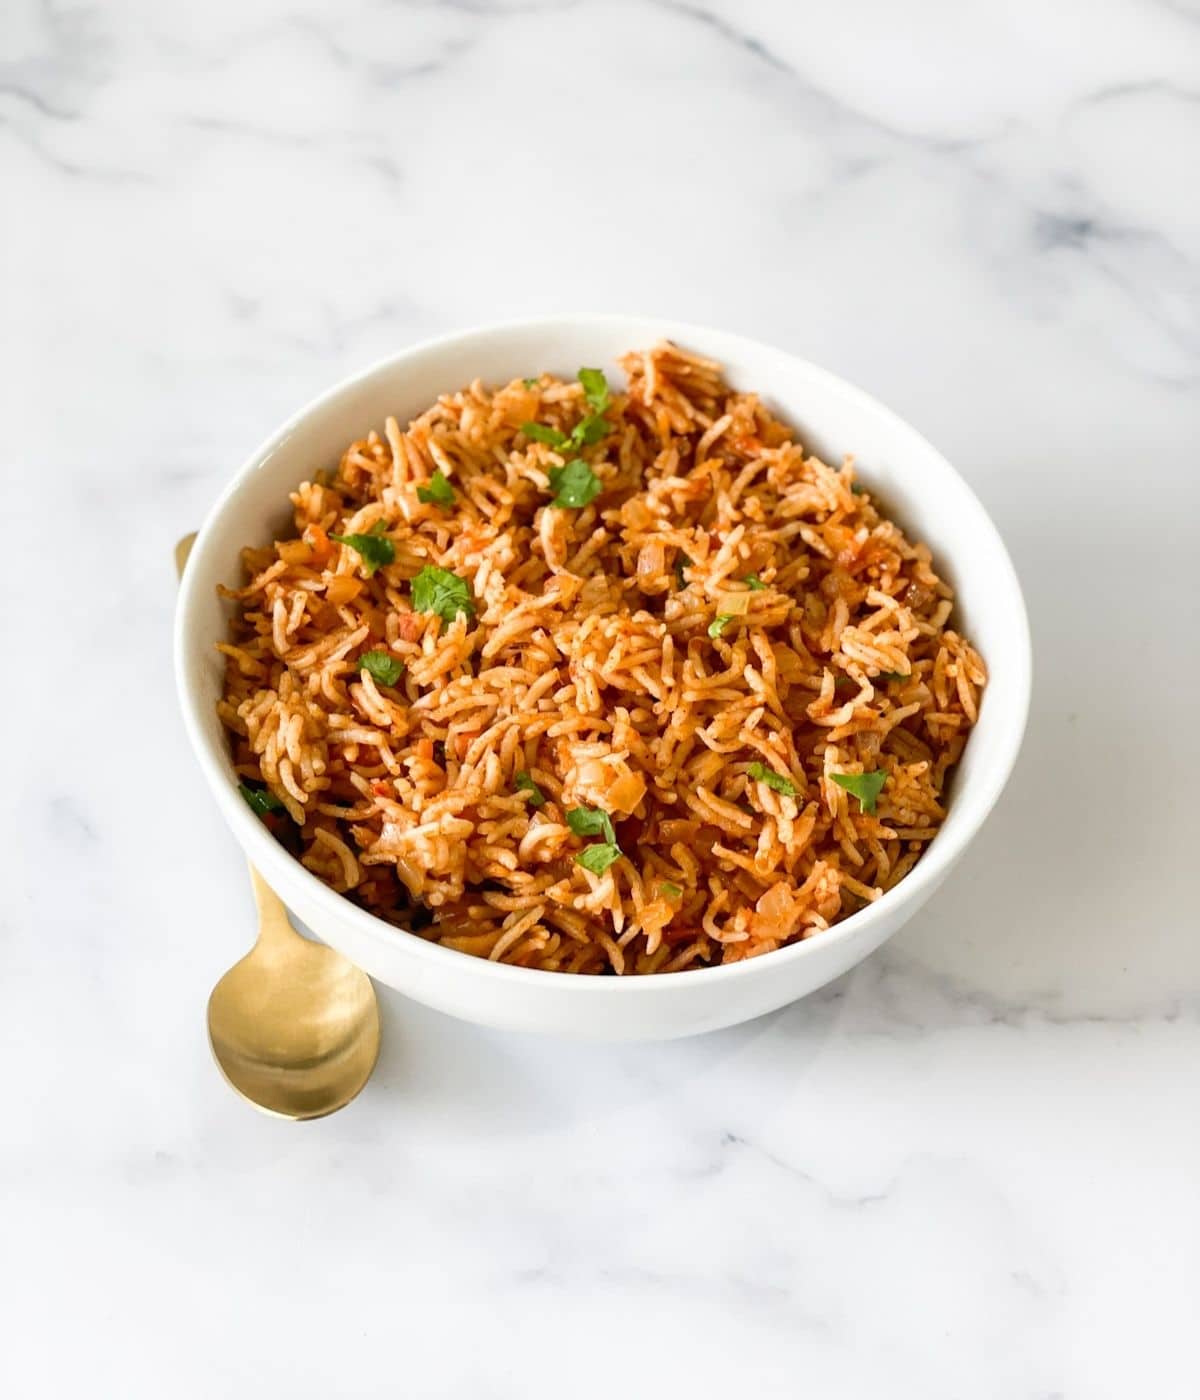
594	662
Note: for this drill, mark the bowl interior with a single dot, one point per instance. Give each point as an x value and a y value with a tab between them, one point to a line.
914	483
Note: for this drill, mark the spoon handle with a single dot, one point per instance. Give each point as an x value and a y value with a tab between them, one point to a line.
274	926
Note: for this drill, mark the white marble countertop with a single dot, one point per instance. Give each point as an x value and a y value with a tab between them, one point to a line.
968	1169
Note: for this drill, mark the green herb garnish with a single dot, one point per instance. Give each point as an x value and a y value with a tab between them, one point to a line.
754	583
575	485
865	786
670	890
856	489
598	857
534	795
439	591
719	624
762	774
681	562
595	388
589	430
531	383
374	548
260	800
439	492
543	432
591	821
895	675
382	665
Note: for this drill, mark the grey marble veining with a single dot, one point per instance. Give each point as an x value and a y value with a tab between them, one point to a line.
969	1167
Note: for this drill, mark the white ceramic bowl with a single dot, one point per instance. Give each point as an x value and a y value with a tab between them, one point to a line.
913	479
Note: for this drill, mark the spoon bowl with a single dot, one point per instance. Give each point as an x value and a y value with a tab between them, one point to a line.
294	1026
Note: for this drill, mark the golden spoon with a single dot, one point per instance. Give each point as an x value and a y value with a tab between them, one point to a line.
294	1026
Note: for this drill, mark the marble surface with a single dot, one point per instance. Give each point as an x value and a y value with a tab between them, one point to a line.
970	1168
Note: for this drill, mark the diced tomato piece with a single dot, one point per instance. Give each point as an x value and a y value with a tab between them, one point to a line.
295	551
318	541
343	589
462	742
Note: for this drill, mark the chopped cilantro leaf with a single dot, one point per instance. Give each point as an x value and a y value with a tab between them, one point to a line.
374	548
719	624
382	665
591	821
534	795
439	591
531	383
762	774
575	485
589	431
895	675
669	890
865	786
754	583
260	800
595	388
598	857
543	432
439	492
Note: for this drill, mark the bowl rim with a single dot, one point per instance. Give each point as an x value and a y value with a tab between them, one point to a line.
264	850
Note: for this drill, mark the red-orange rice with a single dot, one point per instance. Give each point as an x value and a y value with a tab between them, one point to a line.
594	663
